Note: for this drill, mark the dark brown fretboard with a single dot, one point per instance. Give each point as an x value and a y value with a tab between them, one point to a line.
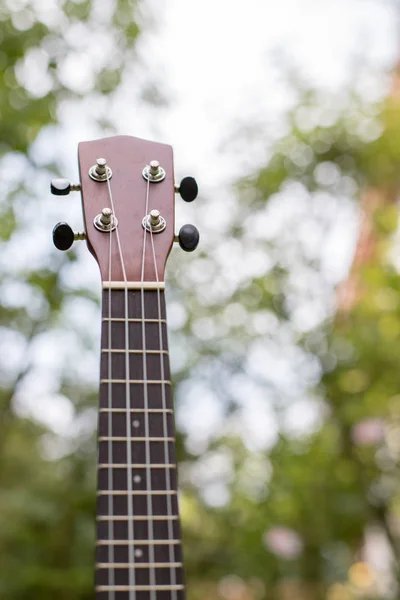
138	555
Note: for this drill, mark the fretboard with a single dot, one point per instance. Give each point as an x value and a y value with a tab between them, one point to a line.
138	553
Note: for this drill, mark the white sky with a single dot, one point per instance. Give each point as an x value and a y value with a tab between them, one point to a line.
218	63
218	59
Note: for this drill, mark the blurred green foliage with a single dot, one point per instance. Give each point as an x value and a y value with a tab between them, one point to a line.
329	494
299	512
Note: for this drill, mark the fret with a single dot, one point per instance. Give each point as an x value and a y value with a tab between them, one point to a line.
142	475
137	493
160	504
126	595
136	466
138	565
140	352
137	542
128	528
119	335
142	577
139	518
106	438
159	396
132	320
114	364
120	452
136	410
117	309
122	553
138	588
148	381
115	426
147	576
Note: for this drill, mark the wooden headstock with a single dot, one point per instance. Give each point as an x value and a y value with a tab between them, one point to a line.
126	193
124	182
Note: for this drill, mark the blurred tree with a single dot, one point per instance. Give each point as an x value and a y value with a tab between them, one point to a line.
293	514
318	517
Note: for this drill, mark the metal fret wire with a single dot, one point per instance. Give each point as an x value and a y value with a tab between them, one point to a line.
152	572
128	422
165	431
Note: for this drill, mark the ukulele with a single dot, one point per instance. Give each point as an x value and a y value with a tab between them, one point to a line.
127	187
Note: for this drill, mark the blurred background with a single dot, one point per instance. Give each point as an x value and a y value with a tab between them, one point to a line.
284	326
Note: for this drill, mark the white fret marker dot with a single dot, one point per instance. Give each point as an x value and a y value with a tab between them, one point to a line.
136	423
137	479
138	553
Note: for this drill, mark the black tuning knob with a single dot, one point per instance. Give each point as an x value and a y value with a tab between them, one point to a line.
63	236
62	187
188	237
188	189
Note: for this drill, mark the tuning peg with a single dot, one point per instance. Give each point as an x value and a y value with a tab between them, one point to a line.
188	189
188	237
64	237
62	187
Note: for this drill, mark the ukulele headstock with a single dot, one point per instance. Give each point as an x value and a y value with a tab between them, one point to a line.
128	201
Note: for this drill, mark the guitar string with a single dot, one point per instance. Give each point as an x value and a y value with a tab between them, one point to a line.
171	536
152	573
109	449
128	407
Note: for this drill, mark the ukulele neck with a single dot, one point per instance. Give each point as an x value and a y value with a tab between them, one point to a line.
139	551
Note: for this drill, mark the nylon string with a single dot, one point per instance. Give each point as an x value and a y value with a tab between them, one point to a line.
152	573
165	431
128	418
109	433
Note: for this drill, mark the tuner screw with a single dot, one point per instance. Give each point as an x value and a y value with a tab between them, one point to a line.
62	187
105	221
188	237
154	222
188	189
64	237
154	217
106	216
100	171
154	167
101	166
153	172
